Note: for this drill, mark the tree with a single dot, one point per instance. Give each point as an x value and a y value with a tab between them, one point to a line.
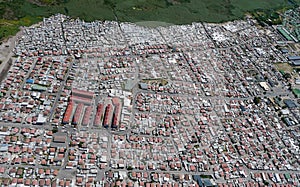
54	130
66	10
256	100
287	76
110	3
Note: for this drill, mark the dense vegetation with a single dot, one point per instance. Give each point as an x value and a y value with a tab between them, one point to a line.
15	13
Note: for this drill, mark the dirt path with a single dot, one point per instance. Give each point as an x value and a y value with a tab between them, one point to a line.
6	52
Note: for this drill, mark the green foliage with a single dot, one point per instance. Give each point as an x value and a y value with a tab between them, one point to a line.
268	16
266	183
8	30
287	76
256	100
111	3
296	92
49	2
54	130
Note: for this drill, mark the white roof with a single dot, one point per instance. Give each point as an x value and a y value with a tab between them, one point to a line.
41	119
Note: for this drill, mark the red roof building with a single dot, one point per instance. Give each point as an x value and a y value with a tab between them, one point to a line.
98	116
107	116
82	93
77	115
86	117
82	96
116	115
68	113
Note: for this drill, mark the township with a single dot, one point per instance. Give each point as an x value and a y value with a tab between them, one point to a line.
117	104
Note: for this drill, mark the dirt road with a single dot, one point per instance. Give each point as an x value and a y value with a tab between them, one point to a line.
6	52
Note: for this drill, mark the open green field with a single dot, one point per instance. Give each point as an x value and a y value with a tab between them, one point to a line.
14	12
296	92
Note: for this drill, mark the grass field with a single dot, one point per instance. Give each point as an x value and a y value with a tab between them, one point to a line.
296	92
284	67
169	11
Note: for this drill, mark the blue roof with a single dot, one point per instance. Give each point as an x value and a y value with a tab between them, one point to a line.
294	57
144	86
31	81
242	108
289	103
207	182
296	62
197	178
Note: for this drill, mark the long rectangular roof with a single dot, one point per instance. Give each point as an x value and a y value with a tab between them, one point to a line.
294	57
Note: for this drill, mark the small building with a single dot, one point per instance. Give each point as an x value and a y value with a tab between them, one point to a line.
264	86
287	121
30	81
204	182
3	148
143	86
289	103
39	88
296	62
285	112
294	58
284	50
41	119
60	137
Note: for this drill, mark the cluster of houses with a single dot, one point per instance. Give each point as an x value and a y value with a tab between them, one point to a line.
119	104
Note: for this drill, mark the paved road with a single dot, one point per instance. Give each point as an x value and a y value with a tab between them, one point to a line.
21	125
58	94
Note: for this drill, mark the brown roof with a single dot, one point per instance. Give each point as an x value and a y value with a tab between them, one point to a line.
60	137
